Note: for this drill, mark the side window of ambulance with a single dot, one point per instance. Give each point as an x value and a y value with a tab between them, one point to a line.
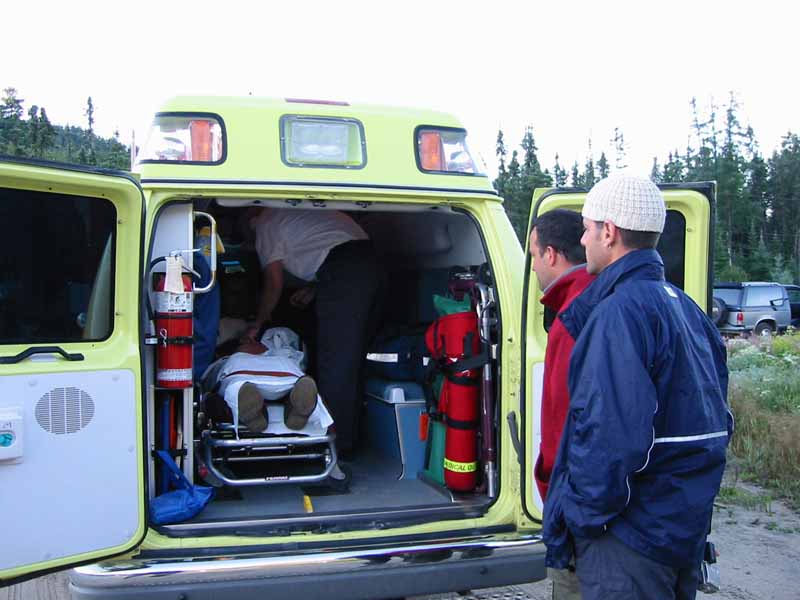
672	248
51	250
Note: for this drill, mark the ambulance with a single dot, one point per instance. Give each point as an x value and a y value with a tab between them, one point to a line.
95	389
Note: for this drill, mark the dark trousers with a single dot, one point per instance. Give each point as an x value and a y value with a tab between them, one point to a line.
348	286
609	570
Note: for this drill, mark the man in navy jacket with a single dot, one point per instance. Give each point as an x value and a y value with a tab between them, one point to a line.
643	449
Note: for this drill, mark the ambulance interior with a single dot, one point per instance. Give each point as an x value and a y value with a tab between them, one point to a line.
397	473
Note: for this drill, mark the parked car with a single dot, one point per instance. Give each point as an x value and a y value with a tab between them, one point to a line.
794	300
755	307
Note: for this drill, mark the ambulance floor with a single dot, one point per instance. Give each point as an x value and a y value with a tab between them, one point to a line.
374	485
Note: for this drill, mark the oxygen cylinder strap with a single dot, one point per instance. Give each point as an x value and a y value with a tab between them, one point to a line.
466	364
431	402
463	425
176	341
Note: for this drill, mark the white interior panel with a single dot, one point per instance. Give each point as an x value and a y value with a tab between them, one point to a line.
535	426
76	488
173	232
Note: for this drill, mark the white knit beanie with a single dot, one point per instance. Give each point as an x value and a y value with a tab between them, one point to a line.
629	202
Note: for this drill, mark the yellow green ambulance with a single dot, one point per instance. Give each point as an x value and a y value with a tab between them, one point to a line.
80	403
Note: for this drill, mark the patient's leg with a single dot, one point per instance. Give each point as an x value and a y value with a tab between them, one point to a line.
251	408
301	403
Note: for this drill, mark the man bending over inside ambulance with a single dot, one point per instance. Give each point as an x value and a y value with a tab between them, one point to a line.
331	251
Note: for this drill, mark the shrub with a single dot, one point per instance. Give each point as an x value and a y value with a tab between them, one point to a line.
764	395
787	345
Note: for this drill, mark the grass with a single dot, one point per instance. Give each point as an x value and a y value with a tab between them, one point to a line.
742	497
764	395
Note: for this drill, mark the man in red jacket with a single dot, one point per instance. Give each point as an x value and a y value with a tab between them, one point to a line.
558	261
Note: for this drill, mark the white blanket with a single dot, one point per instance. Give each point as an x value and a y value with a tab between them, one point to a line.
274	373
317	424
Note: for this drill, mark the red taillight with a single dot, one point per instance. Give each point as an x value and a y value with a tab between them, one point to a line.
201	140
431	154
740	318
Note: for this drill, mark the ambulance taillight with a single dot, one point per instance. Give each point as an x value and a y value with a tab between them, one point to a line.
193	138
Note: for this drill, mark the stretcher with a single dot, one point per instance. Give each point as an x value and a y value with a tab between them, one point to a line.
278	455
303	457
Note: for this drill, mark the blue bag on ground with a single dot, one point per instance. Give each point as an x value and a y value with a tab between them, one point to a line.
182	503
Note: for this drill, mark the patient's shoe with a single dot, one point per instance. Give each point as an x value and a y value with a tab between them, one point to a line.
301	403
251	408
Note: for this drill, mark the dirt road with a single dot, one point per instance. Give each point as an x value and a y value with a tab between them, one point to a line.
758	541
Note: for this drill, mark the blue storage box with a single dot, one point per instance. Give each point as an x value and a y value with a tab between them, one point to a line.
394	413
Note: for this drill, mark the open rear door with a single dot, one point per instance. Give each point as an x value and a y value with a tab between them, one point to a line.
686	247
71	433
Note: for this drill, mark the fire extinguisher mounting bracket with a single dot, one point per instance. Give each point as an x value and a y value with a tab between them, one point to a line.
213	258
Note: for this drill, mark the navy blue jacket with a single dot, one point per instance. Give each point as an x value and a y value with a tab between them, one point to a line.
643	448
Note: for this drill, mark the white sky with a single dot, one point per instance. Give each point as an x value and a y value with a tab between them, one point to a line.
572	70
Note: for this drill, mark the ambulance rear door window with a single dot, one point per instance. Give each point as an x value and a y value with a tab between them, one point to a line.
54	251
672	248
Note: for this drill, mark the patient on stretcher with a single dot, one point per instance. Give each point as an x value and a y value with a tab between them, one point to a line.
265	386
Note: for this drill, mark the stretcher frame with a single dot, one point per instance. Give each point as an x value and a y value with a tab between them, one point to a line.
254	447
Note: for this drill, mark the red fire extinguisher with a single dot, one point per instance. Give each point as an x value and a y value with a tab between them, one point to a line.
455	344
174	333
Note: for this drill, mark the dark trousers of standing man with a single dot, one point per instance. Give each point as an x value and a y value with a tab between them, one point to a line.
608	570
348	285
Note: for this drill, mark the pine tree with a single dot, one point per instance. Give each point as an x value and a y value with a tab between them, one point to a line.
700	165
673	168
502	173
655	172
781	270
513	166
575	179
530	178
47	134
33	143
589	177
784	191
501	152
89	113
730	179
722	261
756	190
12	128
559	174
619	149
602	166
530	162
512	194
760	262
11	107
